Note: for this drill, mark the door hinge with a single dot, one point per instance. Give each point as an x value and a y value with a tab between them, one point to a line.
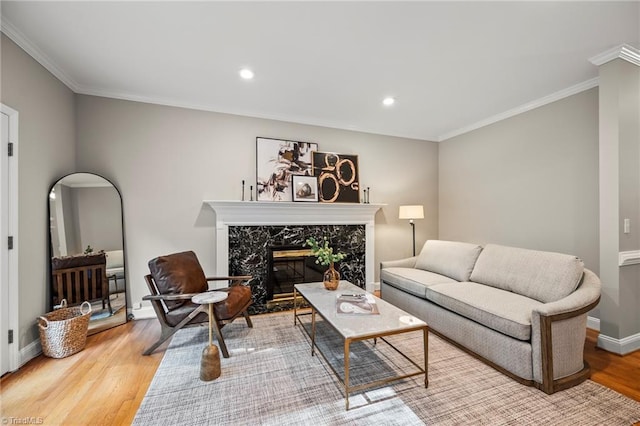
10	336
10	150
10	243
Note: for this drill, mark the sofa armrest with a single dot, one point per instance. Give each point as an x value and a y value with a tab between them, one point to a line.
409	262
586	294
558	334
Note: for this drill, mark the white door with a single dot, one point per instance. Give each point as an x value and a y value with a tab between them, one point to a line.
4	252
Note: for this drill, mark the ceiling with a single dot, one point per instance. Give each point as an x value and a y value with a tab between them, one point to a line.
451	66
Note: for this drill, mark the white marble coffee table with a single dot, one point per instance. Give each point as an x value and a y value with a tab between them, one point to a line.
391	320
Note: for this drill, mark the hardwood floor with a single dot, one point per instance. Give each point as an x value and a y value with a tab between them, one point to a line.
101	385
105	383
620	373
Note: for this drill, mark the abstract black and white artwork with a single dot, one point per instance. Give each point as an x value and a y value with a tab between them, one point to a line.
277	161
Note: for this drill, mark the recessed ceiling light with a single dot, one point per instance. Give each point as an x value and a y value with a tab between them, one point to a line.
388	101
246	73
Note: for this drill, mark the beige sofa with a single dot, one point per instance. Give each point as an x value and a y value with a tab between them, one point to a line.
523	312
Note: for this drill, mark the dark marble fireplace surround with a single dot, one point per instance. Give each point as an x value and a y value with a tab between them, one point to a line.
248	252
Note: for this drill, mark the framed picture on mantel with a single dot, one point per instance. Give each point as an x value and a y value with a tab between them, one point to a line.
305	188
337	177
277	161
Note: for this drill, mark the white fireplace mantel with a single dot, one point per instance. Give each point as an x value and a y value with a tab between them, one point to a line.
267	213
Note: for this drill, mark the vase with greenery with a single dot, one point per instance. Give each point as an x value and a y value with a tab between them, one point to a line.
326	257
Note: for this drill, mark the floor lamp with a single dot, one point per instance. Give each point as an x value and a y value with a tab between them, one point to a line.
411	213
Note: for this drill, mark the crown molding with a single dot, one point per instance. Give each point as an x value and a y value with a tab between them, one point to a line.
564	93
25	44
623	51
104	93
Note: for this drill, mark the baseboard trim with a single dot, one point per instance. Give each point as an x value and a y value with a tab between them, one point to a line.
593	323
145	312
29	352
619	346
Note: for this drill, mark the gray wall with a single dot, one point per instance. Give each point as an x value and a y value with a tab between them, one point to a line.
528	181
99	218
47	151
620	189
166	161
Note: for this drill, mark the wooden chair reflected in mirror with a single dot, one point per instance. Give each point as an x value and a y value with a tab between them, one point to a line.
77	279
174	280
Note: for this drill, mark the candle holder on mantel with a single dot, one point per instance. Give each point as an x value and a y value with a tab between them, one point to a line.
365	195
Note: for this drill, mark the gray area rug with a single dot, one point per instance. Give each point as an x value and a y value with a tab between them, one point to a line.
272	379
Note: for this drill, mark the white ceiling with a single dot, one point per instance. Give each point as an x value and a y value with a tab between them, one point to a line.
450	65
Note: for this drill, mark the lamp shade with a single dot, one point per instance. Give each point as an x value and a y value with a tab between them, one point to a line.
411	212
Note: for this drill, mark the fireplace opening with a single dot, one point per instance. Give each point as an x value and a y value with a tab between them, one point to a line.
288	266
250	253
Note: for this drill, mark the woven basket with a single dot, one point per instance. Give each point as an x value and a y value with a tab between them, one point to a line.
63	332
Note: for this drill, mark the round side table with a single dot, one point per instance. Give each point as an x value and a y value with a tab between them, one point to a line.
210	363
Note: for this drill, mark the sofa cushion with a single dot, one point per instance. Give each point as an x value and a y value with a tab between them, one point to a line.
540	275
503	311
413	281
450	258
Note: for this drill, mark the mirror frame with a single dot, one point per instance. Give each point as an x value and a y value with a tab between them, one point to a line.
49	292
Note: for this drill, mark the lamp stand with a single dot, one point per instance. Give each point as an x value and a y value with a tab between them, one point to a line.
413	229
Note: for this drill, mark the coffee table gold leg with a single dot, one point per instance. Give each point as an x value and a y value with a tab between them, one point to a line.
425	341
313	331
347	343
295	294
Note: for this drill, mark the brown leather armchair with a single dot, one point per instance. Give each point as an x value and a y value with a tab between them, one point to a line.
174	279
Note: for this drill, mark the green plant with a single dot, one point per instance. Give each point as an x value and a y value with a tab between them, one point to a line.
324	253
88	250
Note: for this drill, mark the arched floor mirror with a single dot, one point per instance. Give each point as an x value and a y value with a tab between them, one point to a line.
87	248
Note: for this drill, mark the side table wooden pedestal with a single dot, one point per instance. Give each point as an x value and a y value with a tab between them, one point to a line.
210	362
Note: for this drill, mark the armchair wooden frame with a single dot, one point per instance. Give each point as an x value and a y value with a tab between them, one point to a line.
168	330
